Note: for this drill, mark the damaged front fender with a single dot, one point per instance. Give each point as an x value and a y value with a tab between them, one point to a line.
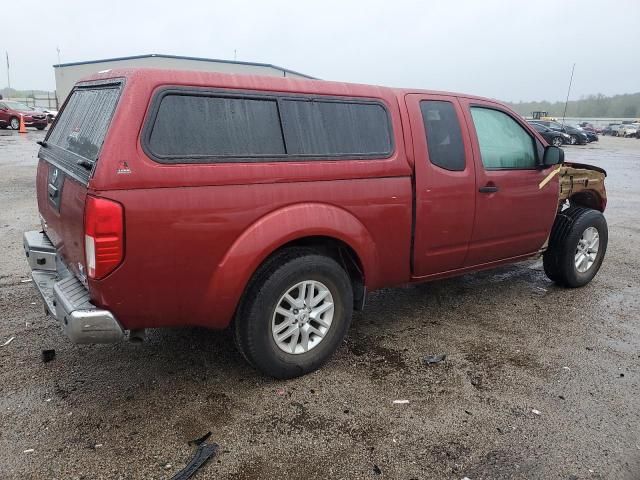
582	184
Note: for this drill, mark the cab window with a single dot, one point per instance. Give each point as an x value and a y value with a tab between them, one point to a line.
444	138
504	144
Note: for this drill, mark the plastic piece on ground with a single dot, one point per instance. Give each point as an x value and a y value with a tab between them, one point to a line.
48	355
435	359
204	452
200	440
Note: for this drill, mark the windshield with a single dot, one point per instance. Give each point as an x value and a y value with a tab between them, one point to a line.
17	106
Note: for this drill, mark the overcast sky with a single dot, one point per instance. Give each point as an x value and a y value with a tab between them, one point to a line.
511	50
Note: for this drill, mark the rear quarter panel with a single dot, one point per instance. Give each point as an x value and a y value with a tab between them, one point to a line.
183	223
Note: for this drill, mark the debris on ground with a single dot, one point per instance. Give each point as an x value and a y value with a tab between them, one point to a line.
280	391
28	450
204	452
26	280
401	402
8	341
376	470
48	355
200	440
435	359
535	412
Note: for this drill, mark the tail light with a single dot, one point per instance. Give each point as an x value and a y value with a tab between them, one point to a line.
103	236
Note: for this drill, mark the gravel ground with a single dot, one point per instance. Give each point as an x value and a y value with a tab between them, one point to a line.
515	343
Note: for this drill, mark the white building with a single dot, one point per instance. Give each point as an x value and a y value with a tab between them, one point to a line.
67	74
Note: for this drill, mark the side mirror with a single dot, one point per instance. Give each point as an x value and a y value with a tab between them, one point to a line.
552	156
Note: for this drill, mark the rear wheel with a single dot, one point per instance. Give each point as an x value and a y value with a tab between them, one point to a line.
557	141
295	313
577	245
14	123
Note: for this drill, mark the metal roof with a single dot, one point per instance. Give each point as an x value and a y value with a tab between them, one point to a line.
180	57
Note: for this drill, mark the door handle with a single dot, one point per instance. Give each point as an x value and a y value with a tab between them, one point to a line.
488	189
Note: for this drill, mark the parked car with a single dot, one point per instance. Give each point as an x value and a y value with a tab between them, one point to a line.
591	134
11	111
611	129
553	137
627	130
50	113
274	205
589	128
577	137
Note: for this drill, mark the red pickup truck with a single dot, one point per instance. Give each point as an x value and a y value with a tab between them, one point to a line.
273	205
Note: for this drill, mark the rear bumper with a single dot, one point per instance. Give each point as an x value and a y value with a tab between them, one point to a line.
65	297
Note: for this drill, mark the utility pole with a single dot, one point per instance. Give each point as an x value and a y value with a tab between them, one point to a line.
568	92
8	75
58	50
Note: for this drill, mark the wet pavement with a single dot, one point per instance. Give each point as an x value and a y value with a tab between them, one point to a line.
514	342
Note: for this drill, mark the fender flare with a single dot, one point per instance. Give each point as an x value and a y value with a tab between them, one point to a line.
270	232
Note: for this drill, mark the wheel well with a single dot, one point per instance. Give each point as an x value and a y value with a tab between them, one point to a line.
341	253
587	198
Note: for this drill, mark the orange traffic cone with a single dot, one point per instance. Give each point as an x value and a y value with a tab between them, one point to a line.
23	128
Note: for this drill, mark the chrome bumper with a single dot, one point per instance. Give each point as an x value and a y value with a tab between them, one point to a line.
65	297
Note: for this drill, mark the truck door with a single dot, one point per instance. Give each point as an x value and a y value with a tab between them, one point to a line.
514	207
445	183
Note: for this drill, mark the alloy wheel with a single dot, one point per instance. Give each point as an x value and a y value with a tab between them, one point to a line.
587	249
302	317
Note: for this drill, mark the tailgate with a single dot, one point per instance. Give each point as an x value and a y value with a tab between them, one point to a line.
68	157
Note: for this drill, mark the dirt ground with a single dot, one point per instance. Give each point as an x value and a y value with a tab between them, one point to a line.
514	343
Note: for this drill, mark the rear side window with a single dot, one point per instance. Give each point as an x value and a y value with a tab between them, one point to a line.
504	144
83	124
74	142
198	126
313	127
444	138
188	126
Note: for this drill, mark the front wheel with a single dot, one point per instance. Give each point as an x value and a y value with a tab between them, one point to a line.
40	127
14	123
577	246
574	139
295	313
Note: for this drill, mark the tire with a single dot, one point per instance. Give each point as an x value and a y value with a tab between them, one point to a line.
257	322
574	139
557	141
40	127
571	232
14	123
